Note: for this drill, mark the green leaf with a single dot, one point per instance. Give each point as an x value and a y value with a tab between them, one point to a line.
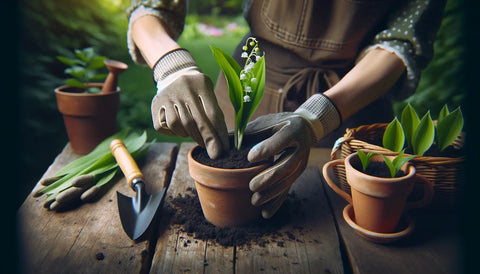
390	166
97	62
424	135
85	54
68	61
76	71
396	164
97	162
104	179
259	87
394	138
97	77
409	121
365	158
93	90
443	113
74	83
231	69
449	128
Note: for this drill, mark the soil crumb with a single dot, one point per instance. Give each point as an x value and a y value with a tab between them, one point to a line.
187	211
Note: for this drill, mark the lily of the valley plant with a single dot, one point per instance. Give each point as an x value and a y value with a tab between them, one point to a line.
245	86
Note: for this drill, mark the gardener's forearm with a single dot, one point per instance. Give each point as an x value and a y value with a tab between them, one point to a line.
151	37
371	77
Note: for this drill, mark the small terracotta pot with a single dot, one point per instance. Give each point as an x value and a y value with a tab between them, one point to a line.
224	193
378	203
89	118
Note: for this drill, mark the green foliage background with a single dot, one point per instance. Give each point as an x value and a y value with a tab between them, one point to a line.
54	27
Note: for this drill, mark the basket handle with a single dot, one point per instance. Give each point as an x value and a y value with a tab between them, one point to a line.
326	167
338	145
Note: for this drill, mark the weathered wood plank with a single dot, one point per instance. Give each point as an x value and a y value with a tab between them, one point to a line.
76	240
176	251
434	246
309	242
314	249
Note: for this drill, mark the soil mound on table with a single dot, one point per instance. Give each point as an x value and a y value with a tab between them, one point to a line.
187	212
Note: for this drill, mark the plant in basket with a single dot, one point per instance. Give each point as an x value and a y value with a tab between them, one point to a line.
223	189
436	145
89	108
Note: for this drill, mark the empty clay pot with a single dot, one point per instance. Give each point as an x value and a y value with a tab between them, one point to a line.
378	202
224	193
89	118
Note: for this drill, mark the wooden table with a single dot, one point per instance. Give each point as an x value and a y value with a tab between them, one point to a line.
90	238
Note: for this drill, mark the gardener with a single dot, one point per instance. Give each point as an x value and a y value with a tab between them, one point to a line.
329	65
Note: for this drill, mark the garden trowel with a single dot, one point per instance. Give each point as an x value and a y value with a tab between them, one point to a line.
136	213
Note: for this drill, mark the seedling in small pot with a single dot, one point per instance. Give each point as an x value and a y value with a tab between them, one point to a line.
393	165
396	164
365	158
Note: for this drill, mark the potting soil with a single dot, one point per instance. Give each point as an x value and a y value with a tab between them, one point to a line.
187	211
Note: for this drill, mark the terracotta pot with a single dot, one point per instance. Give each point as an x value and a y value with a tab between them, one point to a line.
224	193
378	203
89	118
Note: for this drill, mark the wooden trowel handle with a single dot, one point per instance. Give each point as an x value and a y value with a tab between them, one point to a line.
125	161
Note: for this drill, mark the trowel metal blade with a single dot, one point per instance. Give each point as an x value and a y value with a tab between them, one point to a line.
136	221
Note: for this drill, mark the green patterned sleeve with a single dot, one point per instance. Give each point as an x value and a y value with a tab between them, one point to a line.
409	34
171	12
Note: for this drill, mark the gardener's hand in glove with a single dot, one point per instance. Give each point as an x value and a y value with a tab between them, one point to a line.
185	104
289	135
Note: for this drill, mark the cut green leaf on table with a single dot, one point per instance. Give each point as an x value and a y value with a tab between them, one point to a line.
99	163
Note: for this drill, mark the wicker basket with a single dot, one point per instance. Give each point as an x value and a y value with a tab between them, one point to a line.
447	174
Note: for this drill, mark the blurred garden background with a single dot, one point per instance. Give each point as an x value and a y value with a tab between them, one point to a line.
56	27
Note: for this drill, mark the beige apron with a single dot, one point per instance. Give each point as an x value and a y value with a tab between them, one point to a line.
308	46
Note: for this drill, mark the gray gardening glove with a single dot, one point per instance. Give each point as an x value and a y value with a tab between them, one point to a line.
185	104
288	135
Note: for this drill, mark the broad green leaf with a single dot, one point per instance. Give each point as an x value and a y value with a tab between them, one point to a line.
365	158
449	128
259	87
85	54
390	166
93	90
74	83
99	161
443	113
98	152
76	71
424	135
396	164
394	138
231	69
409	121
97	62
100	76
68	61
107	177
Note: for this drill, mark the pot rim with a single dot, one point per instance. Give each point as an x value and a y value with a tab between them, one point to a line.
59	90
407	167
234	170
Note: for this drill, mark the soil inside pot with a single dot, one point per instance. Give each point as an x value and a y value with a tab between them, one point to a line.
233	159
377	169
186	211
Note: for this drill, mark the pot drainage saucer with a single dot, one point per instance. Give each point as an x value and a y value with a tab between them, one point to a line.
406	227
